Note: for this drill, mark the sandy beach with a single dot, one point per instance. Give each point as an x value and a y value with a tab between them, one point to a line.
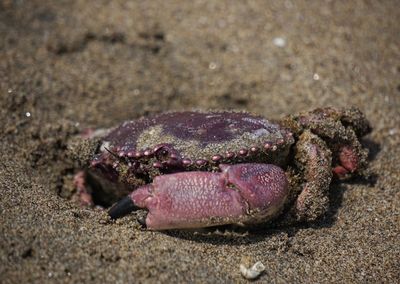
66	66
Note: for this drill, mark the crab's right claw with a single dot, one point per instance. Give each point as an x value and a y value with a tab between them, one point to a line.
342	130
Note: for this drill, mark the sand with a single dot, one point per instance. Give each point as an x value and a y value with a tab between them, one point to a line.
70	65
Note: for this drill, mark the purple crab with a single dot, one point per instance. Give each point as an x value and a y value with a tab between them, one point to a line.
198	169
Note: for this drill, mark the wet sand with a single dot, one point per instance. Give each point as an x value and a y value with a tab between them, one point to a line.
65	67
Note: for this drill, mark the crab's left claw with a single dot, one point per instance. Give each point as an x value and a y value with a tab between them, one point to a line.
244	193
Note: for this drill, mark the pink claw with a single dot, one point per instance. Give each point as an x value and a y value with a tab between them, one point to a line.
349	162
243	193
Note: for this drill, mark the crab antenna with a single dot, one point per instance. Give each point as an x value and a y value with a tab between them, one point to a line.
122	208
121	159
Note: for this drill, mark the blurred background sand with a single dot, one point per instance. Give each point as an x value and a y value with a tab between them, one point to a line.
69	65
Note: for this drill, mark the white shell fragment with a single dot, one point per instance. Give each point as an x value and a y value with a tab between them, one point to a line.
252	272
279	41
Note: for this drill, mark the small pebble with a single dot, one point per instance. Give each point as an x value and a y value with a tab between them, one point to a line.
279	41
212	65
252	272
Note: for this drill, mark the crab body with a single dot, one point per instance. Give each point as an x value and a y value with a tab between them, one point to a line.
199	169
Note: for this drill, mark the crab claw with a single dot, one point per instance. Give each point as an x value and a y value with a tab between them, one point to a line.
122	207
244	193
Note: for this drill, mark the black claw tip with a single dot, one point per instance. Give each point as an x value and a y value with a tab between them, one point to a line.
122	207
142	222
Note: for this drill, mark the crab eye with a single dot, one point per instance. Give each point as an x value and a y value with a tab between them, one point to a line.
162	153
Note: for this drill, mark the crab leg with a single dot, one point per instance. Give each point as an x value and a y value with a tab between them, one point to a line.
341	129
84	195
314	158
244	193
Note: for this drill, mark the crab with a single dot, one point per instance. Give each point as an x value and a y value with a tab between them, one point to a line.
198	169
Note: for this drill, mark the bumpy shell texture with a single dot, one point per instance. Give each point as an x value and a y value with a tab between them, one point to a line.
198	139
